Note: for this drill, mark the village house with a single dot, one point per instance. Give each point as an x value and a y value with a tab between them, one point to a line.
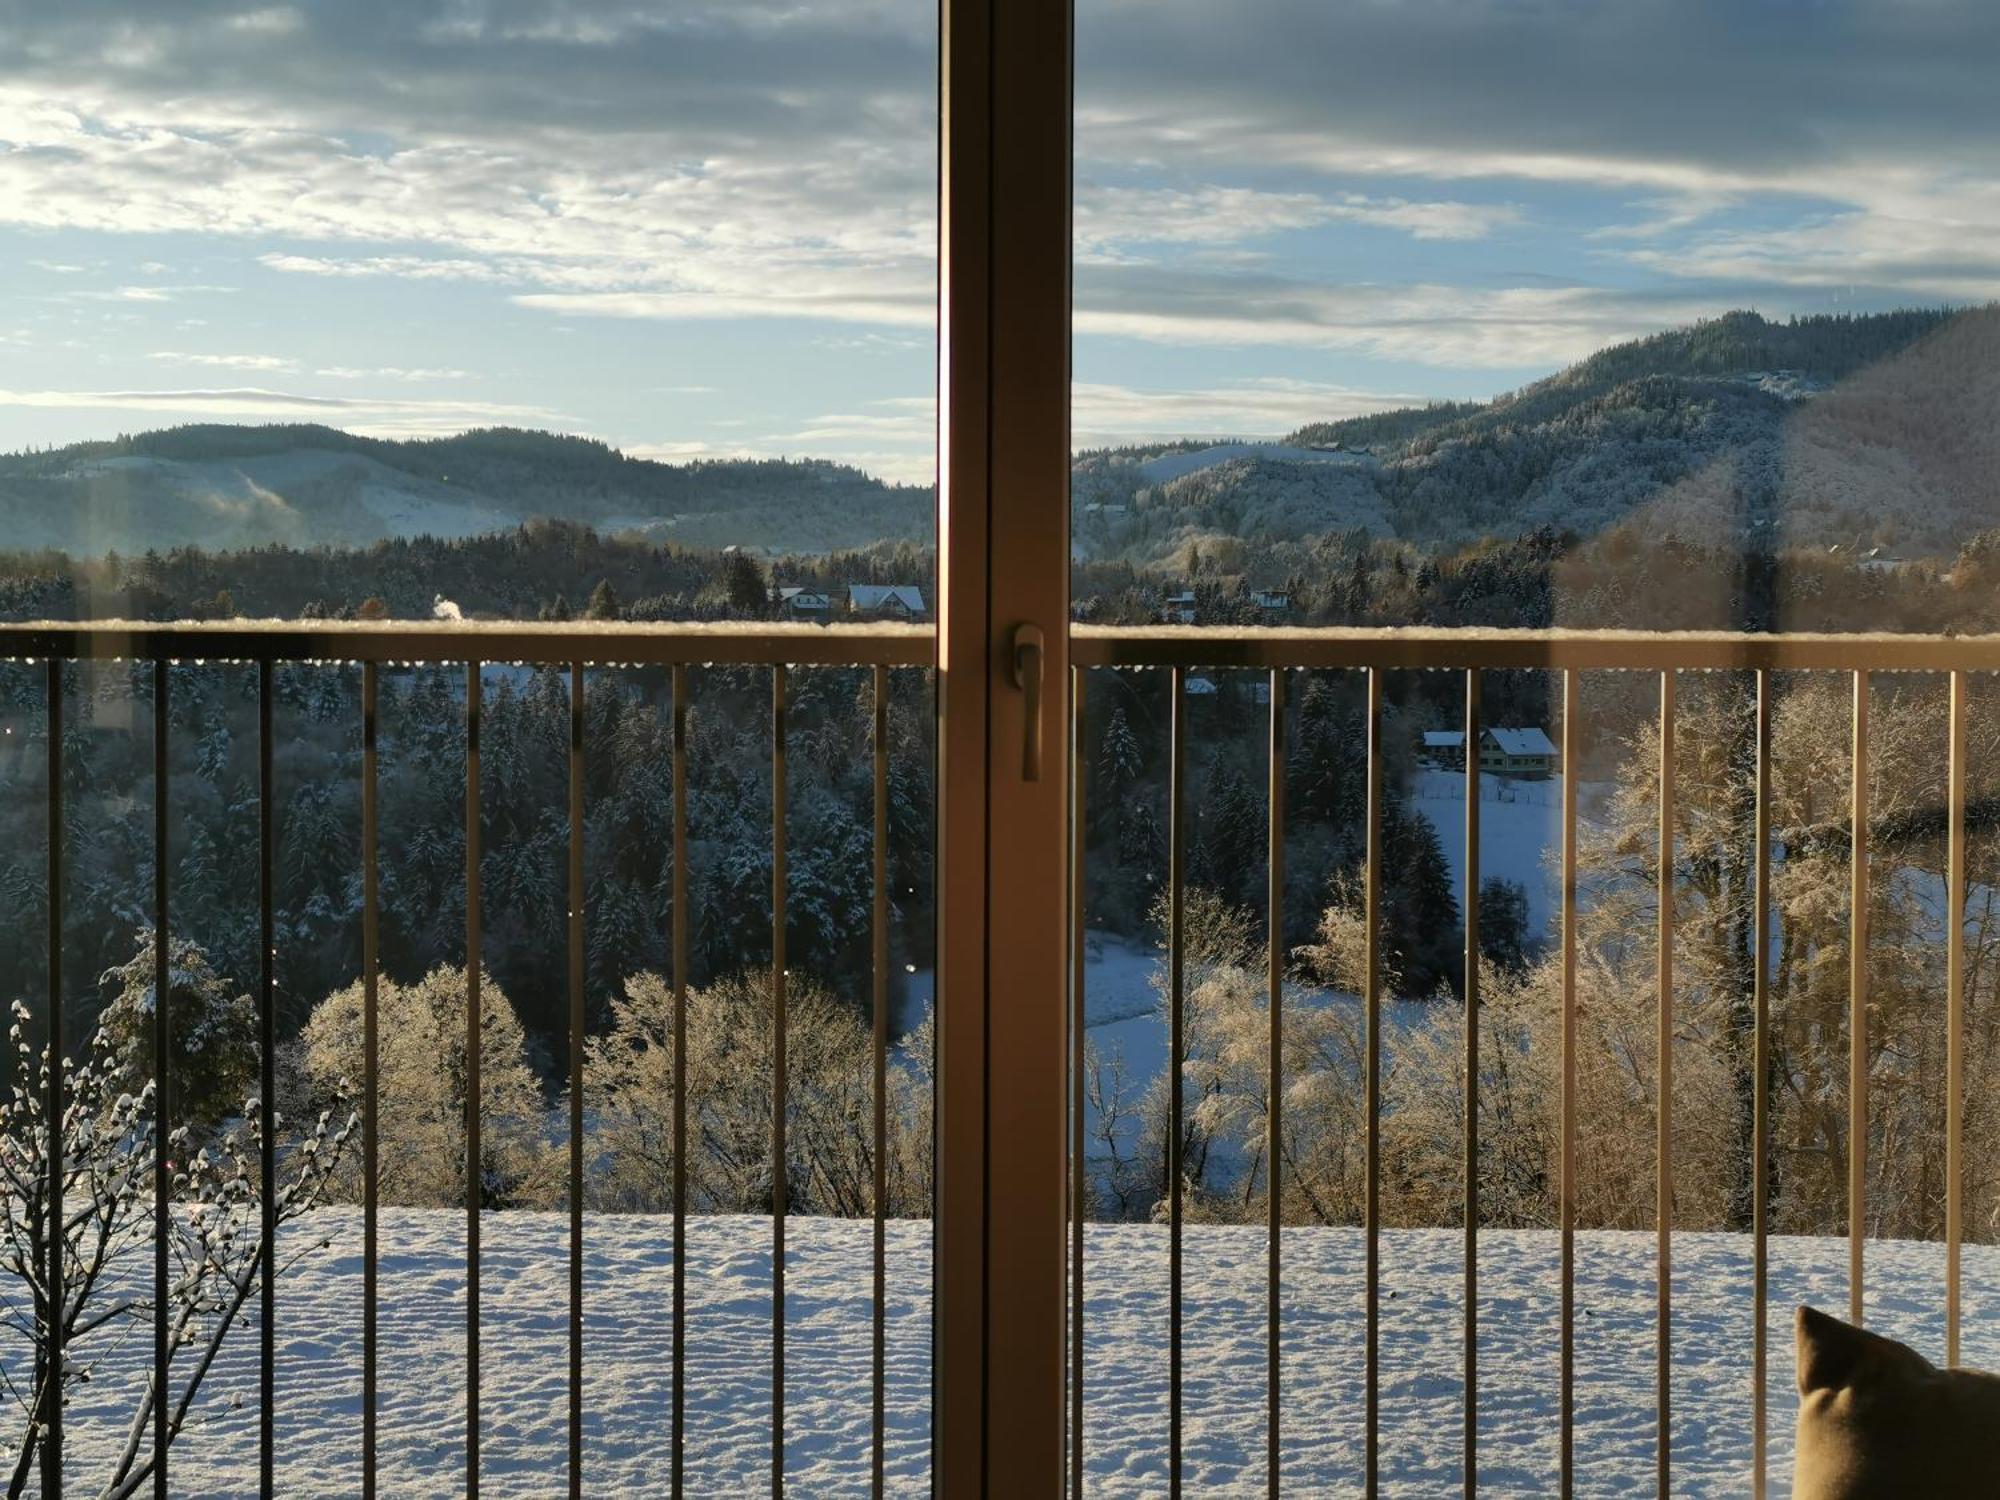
1526	754
895	601
1179	608
1272	601
795	603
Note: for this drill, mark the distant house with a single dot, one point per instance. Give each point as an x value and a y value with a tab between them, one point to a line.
803	603
1526	754
894	601
1272	601
1444	749
1179	608
1200	687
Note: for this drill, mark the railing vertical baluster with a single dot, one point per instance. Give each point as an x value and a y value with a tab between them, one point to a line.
371	953
879	965
576	937
1663	1108
267	1090
1274	1087
1567	1419
1954	1066
1078	1022
680	942
54	1296
1176	1044
1857	1008
475	1174
1371	944
162	1080
1761	1126
1474	786
779	1105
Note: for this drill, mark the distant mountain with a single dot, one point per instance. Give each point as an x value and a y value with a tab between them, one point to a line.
1873	431
221	487
1879	430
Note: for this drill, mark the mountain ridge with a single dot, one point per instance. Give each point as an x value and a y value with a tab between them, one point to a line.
221	486
1876	431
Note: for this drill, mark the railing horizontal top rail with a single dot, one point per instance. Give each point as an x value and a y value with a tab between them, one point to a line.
446	641
1629	650
894	645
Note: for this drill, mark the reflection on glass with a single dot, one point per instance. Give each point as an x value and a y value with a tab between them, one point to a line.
1466	314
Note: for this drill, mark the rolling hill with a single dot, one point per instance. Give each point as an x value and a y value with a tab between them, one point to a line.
1867	431
220	487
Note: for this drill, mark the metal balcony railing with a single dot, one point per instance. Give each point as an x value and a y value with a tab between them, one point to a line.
1277	654
470	645
1470	653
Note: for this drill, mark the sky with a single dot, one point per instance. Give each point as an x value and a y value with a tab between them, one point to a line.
701	228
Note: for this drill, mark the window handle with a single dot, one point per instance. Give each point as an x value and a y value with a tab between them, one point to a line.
1027	674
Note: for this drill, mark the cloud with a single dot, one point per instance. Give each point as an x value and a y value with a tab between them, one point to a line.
139	293
391	372
381	416
727	159
1109	217
411	267
1104	415
691	163
1645	90
1435	324
777	302
225	361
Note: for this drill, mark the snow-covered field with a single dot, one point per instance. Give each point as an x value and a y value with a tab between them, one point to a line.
628	1332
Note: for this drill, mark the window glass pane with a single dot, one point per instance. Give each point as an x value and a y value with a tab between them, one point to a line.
1647	317
449	311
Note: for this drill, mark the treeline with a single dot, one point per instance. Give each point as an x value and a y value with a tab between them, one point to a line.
1622	579
544	568
108	852
501	461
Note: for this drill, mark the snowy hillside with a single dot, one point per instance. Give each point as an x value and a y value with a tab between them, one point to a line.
1170	466
226	488
629	1330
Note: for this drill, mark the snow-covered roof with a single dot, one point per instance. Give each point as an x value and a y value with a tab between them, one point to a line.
1201	687
904	596
1530	741
803	598
1443	739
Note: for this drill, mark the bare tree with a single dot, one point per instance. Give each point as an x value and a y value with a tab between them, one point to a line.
216	1253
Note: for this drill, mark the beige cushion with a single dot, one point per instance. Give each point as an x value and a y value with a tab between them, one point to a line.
1876	1419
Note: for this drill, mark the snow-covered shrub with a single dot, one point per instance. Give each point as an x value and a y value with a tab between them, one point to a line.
629	1089
421	1092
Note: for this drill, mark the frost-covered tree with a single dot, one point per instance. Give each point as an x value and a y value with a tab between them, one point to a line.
212	1026
216	1256
421	1084
628	1083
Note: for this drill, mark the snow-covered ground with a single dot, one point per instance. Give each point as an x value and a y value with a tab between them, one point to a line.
628	1332
1520	833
